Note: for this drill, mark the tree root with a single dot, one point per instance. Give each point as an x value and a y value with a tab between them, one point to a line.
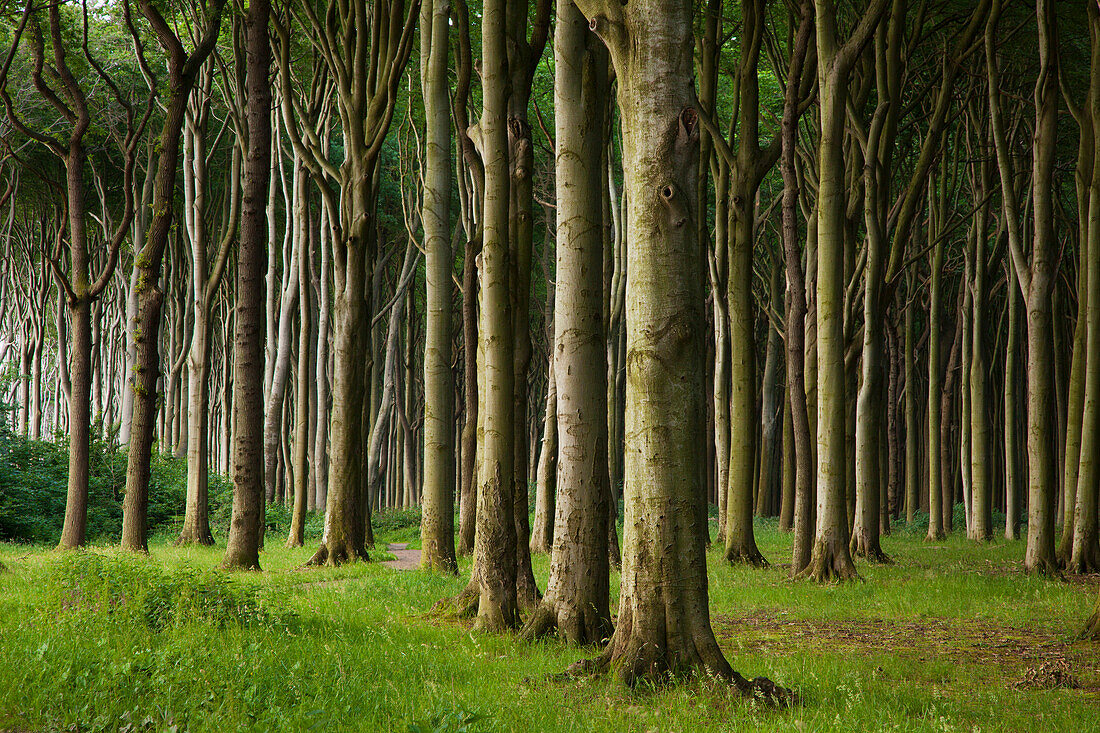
577	627
1091	632
644	670
462	606
829	563
1044	567
873	553
745	555
1085	559
339	555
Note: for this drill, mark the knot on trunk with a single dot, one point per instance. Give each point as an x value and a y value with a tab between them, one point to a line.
673	200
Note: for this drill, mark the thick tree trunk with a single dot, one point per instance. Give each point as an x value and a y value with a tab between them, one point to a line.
664	620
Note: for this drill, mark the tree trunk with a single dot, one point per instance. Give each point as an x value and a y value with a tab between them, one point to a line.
831	558
437	523
246	528
664	620
495	539
542	531
577	596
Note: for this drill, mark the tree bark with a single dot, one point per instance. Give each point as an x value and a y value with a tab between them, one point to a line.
246	527
437	522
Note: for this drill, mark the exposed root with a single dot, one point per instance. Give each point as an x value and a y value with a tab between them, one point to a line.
1085	557
191	536
872	552
462	606
1091	632
935	535
1045	567
575	626
642	668
829	564
339	555
745	554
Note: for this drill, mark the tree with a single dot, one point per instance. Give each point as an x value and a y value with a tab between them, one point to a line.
577	599
1036	276
495	541
831	558
246	528
183	69
437	523
61	88
664	621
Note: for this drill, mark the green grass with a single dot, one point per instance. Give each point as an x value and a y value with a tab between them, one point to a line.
937	641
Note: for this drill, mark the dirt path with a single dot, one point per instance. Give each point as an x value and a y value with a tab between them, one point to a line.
406	559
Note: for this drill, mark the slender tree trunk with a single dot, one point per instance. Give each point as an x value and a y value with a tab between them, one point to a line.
577	596
300	455
495	539
542	531
437	523
246	527
831	557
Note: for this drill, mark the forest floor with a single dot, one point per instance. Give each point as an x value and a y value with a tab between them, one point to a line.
951	636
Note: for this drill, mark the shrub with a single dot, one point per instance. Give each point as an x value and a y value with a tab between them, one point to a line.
135	590
34	482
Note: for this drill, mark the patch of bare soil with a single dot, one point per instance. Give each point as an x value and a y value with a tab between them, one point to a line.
405	559
1026	658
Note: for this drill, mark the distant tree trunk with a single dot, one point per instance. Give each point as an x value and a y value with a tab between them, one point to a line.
771	409
795	308
467	518
437	523
246	528
831	557
1085	554
1011	435
542	530
981	518
300	455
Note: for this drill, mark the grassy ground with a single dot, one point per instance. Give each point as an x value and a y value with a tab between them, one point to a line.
950	637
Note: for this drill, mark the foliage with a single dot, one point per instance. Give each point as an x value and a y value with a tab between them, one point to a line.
134	590
34	482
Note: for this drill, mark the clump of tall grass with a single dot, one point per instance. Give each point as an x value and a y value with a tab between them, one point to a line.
137	590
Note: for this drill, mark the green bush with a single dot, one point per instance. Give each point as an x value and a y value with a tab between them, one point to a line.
34	483
137	590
